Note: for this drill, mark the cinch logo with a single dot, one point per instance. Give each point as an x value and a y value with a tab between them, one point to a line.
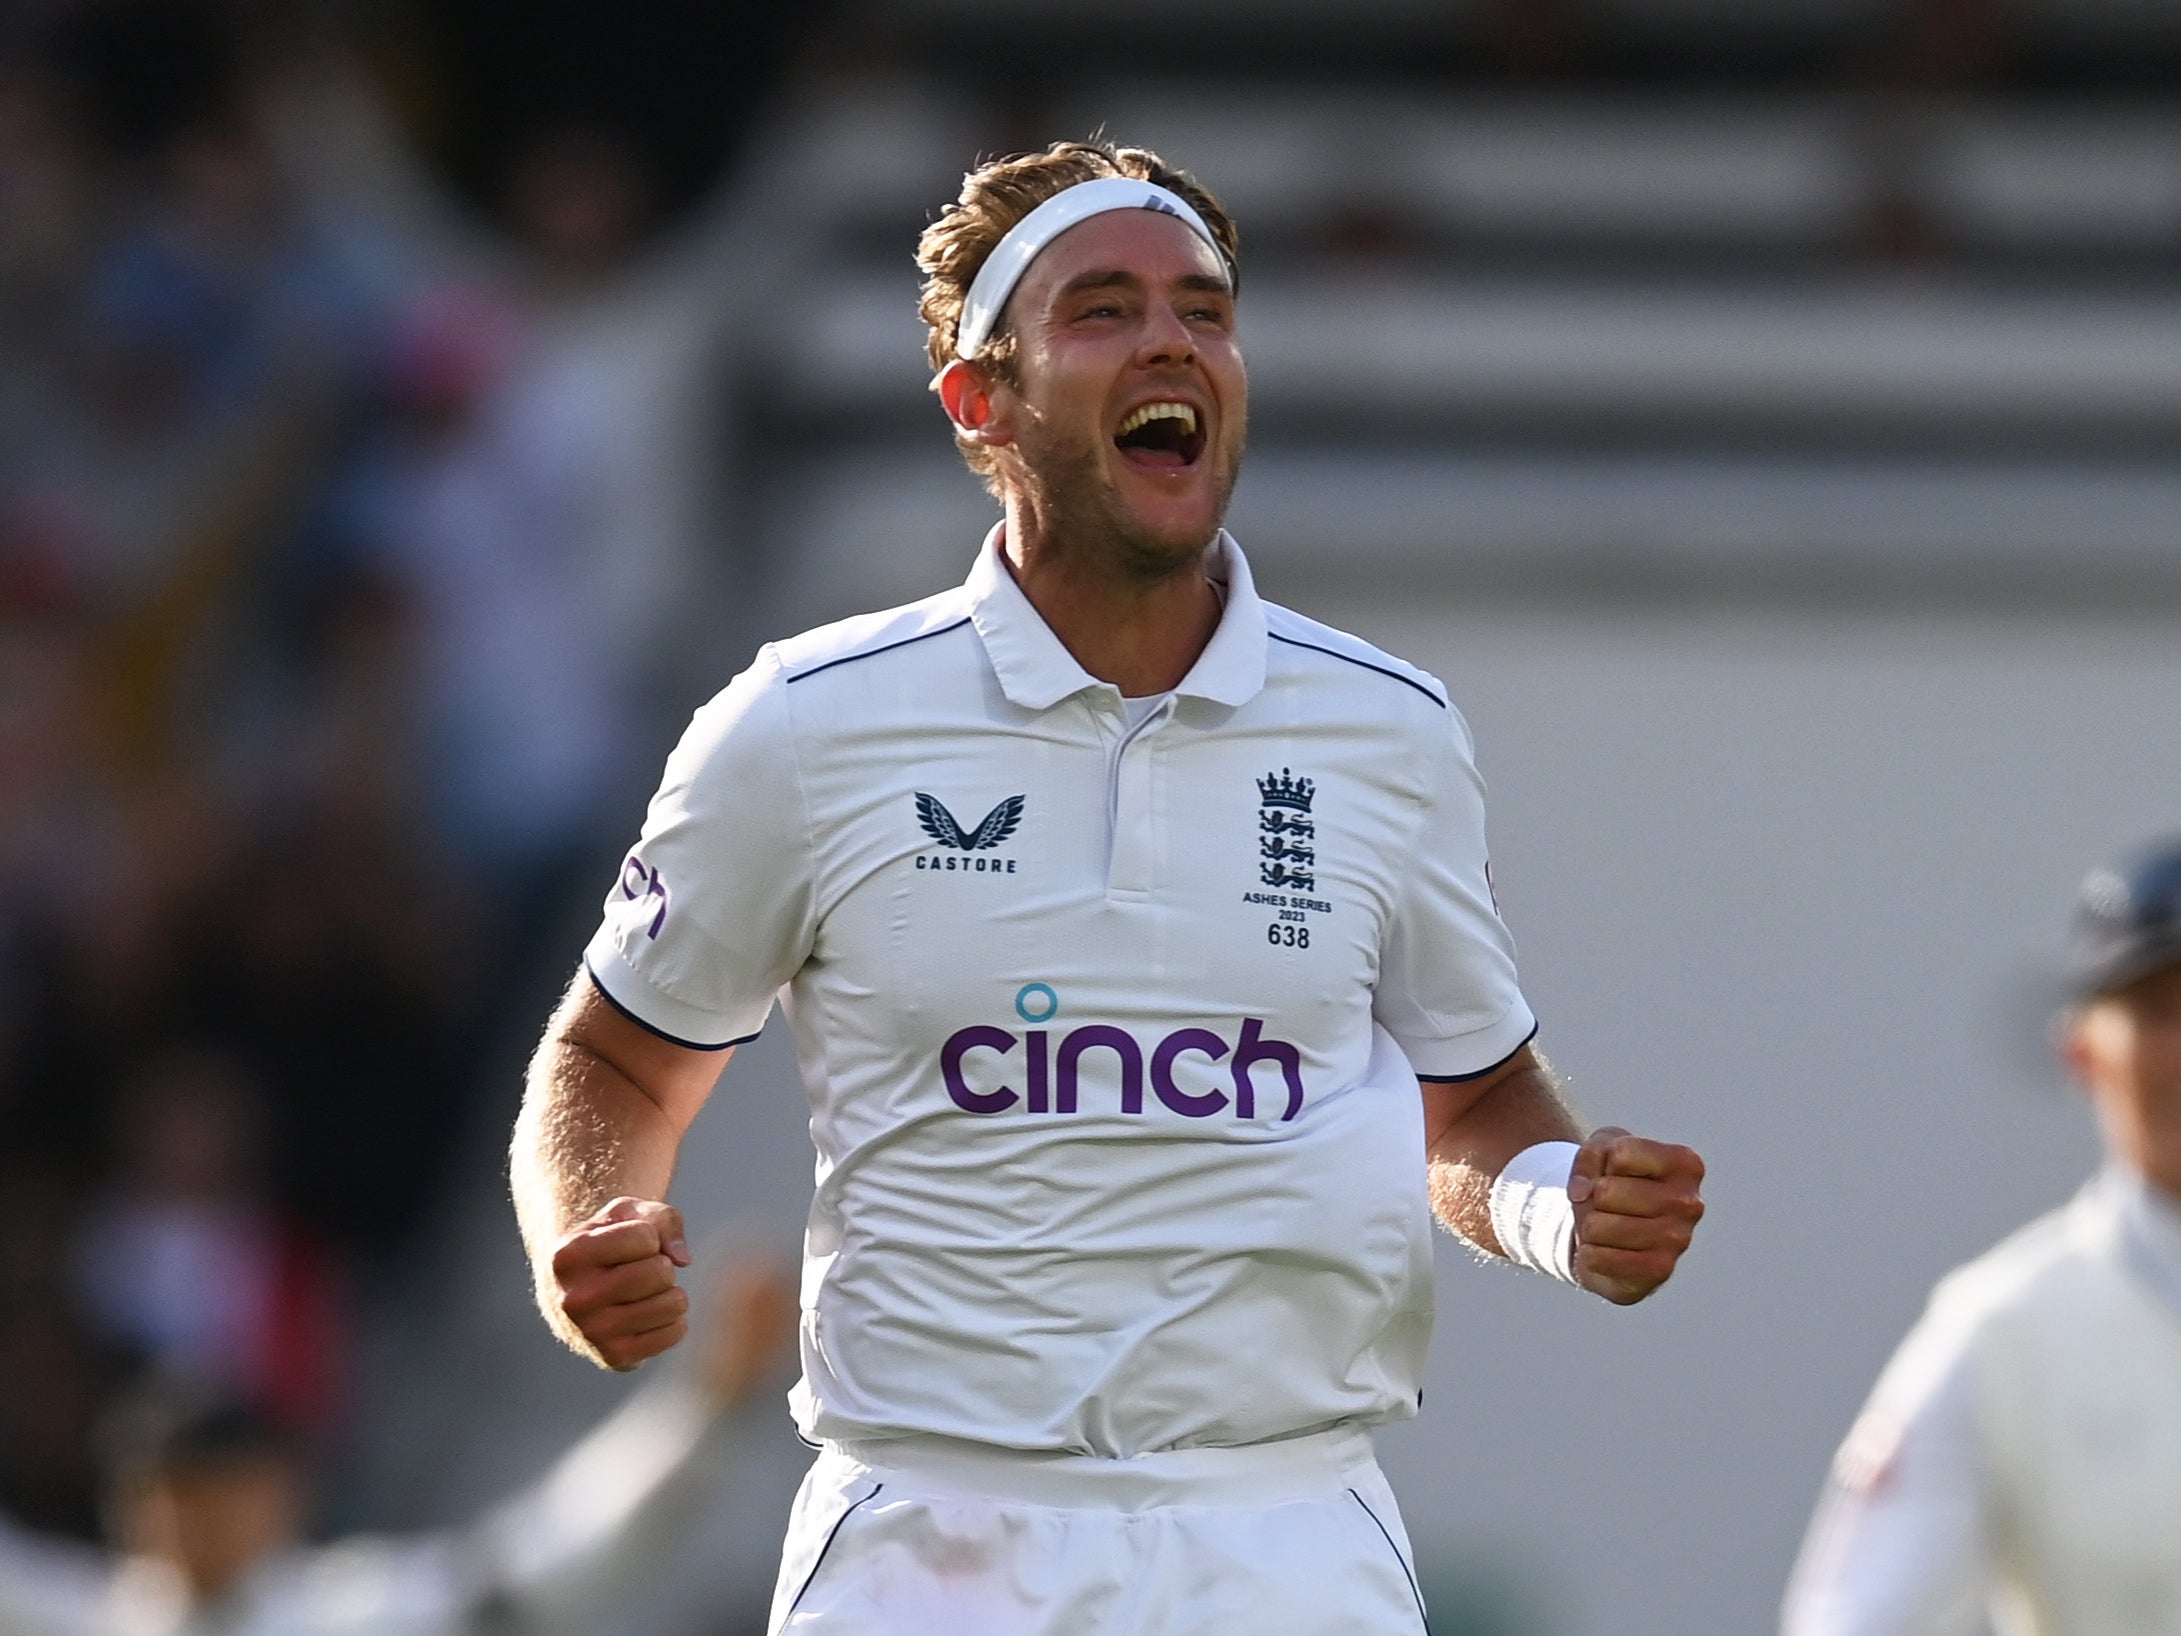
639	882
1052	1071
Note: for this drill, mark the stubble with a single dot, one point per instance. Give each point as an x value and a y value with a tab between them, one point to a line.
1081	515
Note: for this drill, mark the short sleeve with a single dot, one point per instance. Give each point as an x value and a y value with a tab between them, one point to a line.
711	913
1446	980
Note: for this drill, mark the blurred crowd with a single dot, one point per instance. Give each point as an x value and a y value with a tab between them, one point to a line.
333	556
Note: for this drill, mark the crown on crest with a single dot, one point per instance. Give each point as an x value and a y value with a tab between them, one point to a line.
1283	789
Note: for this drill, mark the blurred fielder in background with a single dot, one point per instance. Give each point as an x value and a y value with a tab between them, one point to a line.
2021	1455
208	1500
1121	1240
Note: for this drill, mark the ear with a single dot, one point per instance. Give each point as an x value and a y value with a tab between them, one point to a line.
971	403
2073	1048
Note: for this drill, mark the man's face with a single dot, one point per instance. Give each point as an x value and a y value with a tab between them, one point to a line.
2126	1049
1125	313
215	1520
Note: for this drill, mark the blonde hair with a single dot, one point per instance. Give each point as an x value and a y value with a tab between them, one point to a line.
997	195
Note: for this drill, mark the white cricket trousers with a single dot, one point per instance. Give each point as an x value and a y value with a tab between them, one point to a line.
930	1536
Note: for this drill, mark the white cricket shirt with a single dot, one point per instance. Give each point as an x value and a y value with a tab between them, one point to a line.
2021	1455
1110	1033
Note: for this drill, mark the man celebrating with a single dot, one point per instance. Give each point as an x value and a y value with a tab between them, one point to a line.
2021	1454
1121	916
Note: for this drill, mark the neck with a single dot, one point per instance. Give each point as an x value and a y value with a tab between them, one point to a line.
1126	618
2162	1173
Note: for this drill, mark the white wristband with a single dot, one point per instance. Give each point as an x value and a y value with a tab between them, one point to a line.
1531	1213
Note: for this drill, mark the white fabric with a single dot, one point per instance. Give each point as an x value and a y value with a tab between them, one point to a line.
1143	709
51	1587
2150	1235
2020	1458
1186	1256
1011	257
1531	1214
910	1539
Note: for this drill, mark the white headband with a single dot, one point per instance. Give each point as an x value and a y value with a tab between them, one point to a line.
1011	258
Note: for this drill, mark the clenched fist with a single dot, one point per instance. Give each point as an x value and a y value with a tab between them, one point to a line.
613	1281
1636	1208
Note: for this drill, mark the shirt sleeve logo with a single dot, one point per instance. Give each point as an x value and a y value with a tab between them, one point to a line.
640	884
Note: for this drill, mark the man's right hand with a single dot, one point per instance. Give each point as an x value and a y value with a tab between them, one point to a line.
613	1279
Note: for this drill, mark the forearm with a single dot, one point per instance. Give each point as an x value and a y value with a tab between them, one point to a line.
1468	1146
587	1134
604	1111
617	1509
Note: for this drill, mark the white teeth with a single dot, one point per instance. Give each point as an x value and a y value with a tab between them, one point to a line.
1158	411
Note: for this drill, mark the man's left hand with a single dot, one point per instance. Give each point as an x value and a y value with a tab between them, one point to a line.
1636	1208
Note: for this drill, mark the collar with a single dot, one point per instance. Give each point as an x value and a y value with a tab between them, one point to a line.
2148	1224
1036	672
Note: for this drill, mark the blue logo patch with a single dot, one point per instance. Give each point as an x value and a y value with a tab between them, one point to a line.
965	852
994	828
1287	834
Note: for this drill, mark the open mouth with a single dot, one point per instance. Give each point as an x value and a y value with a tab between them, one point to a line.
1161	437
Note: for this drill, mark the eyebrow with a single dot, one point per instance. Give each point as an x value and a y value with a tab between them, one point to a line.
1101	278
